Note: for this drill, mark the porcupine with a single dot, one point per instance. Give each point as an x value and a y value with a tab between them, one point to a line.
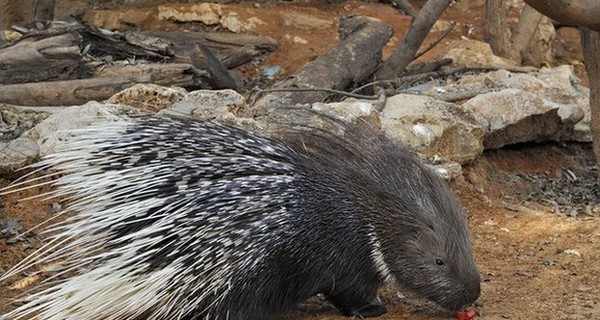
184	219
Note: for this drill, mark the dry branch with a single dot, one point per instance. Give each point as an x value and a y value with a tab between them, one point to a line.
351	61
112	80
123	46
497	30
54	58
231	49
405	52
574	12
590	41
524	31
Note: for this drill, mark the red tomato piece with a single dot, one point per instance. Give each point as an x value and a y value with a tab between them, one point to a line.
465	315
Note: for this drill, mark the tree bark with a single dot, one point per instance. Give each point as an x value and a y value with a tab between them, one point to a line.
573	12
405	51
351	61
528	23
497	31
55	58
590	41
112	80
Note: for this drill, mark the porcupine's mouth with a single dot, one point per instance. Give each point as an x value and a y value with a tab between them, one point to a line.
460	299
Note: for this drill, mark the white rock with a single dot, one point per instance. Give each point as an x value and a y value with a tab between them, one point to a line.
432	127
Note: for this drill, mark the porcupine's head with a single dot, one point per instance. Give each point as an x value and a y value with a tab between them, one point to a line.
420	236
420	229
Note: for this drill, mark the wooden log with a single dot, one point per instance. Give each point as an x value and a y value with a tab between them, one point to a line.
54	58
497	31
351	61
524	32
113	80
126	45
164	74
231	49
573	12
590	41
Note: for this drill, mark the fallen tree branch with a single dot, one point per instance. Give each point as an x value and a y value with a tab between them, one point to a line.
351	61
573	12
405	52
524	31
113	79
54	58
338	92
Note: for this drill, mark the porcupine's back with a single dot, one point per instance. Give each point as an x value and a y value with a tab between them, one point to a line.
169	213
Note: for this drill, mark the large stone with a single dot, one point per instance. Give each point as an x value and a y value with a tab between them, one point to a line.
14	121
433	127
553	87
62	126
17	154
224	106
515	116
272	113
207	13
148	97
475	53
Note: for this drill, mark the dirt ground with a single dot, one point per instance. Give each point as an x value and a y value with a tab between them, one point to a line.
533	209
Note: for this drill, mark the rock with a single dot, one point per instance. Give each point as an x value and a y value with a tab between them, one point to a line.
433	127
474	53
305	22
17	154
559	84
235	24
118	20
271	113
515	116
553	87
225	106
14	121
350	111
447	170
149	97
562	85
10	228
60	127
207	13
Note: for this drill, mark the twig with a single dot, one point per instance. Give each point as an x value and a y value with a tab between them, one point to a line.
427	67
332	91
419	28
402	81
462	95
435	43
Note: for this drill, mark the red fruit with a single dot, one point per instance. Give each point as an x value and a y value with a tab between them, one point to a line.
465	315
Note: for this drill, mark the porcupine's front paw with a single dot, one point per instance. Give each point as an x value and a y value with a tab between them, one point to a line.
352	306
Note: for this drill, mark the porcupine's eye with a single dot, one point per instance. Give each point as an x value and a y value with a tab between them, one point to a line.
439	262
